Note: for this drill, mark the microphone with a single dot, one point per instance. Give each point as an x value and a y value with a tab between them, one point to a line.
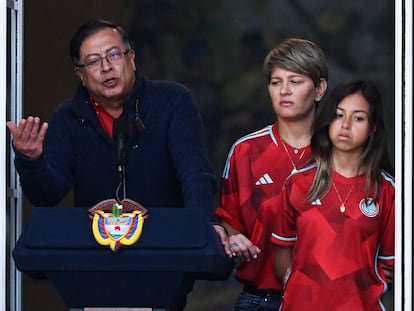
120	133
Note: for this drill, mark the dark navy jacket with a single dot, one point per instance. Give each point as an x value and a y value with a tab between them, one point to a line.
166	165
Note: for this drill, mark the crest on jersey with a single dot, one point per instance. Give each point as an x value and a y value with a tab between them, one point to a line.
117	226
368	207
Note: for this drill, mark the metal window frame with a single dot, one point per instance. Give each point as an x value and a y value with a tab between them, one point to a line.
403	153
11	219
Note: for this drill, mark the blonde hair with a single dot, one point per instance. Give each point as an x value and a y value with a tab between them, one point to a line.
299	56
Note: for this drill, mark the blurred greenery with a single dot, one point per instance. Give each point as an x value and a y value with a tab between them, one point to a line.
216	48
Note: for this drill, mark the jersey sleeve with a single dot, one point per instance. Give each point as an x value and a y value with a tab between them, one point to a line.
386	254
229	206
284	227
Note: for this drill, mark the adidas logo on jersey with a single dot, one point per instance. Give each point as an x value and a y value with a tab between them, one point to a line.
317	202
264	180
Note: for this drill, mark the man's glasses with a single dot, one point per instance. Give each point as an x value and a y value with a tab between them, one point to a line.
95	62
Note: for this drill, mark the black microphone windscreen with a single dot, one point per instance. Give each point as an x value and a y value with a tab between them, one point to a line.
120	128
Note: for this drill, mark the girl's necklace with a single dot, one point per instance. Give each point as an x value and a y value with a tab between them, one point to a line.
342	206
294	170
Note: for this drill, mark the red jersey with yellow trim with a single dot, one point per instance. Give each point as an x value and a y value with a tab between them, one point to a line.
336	252
255	170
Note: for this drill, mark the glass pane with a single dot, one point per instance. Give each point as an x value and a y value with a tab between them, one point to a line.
215	48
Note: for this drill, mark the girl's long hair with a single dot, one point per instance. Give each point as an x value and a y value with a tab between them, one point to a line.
374	157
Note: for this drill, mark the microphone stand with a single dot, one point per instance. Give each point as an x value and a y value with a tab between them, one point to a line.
122	183
120	130
121	176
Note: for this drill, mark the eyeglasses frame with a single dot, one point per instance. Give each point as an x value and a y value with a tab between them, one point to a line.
101	58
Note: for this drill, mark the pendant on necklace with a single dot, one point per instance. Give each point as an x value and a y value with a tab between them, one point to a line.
342	208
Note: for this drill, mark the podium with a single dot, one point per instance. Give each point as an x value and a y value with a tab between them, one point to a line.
177	247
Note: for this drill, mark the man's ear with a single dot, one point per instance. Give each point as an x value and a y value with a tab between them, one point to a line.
131	56
79	73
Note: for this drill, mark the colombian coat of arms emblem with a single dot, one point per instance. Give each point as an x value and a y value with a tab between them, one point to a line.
115	224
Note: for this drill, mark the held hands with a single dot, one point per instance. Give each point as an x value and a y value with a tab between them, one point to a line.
28	136
221	232
242	247
237	244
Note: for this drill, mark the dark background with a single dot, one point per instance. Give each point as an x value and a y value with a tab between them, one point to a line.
216	48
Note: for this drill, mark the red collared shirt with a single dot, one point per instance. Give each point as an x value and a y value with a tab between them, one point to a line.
104	117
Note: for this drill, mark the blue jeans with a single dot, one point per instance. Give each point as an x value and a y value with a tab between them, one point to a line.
253	302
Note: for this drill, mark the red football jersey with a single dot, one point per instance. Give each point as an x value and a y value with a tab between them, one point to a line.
337	251
255	170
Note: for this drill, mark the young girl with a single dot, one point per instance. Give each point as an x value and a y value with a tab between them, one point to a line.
337	218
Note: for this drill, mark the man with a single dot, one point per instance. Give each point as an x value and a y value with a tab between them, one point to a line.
165	154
